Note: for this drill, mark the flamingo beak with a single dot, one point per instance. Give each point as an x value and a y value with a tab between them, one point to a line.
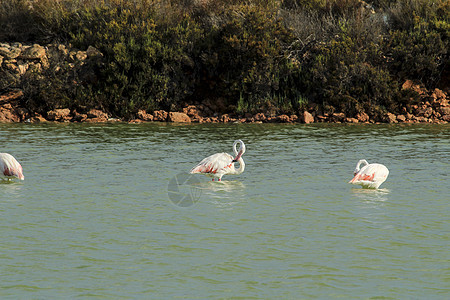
238	156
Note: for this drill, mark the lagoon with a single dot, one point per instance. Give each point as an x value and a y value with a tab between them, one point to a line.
108	211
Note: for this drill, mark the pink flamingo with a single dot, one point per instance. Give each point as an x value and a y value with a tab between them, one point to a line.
220	164
10	167
370	176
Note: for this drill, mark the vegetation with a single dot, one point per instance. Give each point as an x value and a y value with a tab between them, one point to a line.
346	56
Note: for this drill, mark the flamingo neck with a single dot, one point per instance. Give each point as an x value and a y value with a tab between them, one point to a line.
362	161
234	148
238	156
241	166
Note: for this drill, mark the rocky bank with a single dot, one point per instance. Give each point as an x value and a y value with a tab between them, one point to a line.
17	60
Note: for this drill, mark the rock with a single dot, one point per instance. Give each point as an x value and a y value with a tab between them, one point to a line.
407	85
436	114
391	118
57	52
96	115
410	85
160	115
77	117
35	67
260	117
4	51
446	118
283	119
445	110
443	102
425	112
362	117
179	117
144	116
351	120
11	96
37	118
438	94
307	117
135	121
401	118
61	115
93	52
81	55
422	119
15	53
224	118
23	67
293	118
337	117
191	110
22	113
34	52
321	118
72	56
12	67
7	115
10	53
194	113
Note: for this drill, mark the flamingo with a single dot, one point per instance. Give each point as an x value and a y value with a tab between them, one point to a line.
370	176
10	167
220	164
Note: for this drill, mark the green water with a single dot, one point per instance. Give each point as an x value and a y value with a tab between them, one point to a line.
93	218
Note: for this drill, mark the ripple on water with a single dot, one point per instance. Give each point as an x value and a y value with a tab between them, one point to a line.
94	219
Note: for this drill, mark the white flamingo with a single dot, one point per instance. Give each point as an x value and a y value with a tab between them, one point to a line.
10	167
370	176
220	164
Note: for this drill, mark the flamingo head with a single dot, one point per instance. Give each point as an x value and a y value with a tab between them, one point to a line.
357	169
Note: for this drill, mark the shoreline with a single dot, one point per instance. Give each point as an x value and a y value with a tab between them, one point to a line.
18	61
434	109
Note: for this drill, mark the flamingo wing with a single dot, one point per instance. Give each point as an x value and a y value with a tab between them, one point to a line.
9	166
214	164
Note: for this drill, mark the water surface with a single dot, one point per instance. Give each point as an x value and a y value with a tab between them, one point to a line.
93	218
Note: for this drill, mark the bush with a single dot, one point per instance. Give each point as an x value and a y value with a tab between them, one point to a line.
148	62
242	59
255	55
419	41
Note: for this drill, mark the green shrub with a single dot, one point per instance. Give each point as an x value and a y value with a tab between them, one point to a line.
16	21
243	56
272	56
147	65
419	40
345	73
